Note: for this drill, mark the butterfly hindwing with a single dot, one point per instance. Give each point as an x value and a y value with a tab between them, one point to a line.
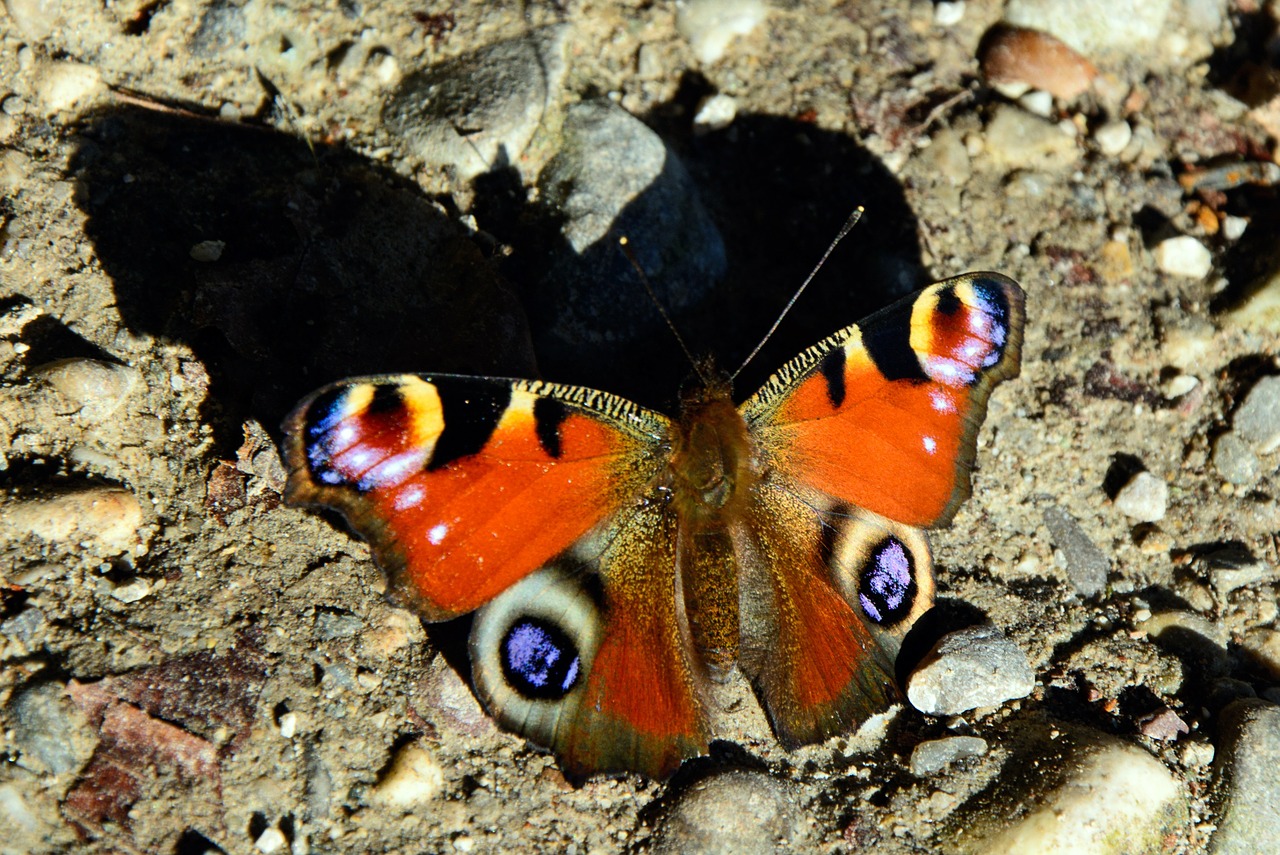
464	485
884	415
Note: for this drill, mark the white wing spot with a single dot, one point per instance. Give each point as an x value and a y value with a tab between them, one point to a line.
437	533
930	444
410	497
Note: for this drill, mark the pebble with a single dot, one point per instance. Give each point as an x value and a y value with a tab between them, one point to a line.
1229	571
970	668
498	94
24	627
1178	385
1030	59
1259	310
95	389
1144	498
108	518
1078	791
934	755
207	250
715	113
1202	642
413	779
948	13
59	86
1257	420
132	592
1087	566
1263	647
50	732
15	169
34	19
1183	256
1094	26
288	724
1113	137
271	840
735	813
1247	774
614	177
1164	725
709	25
1235	461
1017	140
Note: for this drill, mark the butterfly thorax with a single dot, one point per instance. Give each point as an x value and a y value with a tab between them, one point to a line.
712	465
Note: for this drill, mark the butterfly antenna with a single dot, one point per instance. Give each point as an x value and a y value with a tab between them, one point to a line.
844	230
662	310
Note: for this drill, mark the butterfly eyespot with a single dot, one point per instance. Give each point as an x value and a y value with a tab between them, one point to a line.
539	660
887	587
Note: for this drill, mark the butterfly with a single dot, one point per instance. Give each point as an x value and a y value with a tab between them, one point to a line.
618	561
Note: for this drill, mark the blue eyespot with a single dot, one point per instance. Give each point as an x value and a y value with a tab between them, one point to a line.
887	588
539	660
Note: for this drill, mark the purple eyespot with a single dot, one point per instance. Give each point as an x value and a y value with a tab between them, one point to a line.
887	588
539	660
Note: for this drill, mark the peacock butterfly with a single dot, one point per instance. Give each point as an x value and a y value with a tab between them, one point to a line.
617	560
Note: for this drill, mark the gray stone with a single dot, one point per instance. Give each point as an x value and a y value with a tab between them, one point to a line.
1247	776
479	111
1087	566
50	731
330	625
614	178
1235	460
934	755
1016	139
1071	790
1257	421
23	626
92	388
970	668
222	27
1144	498
1094	26
735	813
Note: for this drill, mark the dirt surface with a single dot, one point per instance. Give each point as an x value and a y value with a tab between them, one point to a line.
194	625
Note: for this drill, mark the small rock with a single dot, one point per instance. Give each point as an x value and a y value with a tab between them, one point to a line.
1017	140
1077	791
1094	26
1113	137
94	389
332	624
1087	566
1233	227
735	813
222	27
59	86
413	779
1164	725
288	724
107	517
1235	461
1144	498
479	111
1257	420
1183	256
271	840
1195	753
1230	569
1263	647
52	735
132	592
24	627
1178	385
34	19
1035	60
1248	779
715	113
207	250
1197	639
709	25
1259	309
970	668
948	13
933	756
448	702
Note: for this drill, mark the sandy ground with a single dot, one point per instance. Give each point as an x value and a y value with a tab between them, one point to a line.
196	623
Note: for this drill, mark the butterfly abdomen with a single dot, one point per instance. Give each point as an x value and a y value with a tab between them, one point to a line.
713	466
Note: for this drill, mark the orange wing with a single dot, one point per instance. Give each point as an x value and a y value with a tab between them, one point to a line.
464	485
884	415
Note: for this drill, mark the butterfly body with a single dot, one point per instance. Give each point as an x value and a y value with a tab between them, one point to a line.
618	560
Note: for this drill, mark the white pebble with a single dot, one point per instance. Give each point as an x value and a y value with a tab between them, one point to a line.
288	725
1037	102
271	840
132	592
105	516
1179	385
1113	137
1144	498
94	389
709	25
1233	227
415	777
1183	256
59	86
948	13
715	113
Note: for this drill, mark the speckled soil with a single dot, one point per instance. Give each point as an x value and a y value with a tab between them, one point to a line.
342	258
